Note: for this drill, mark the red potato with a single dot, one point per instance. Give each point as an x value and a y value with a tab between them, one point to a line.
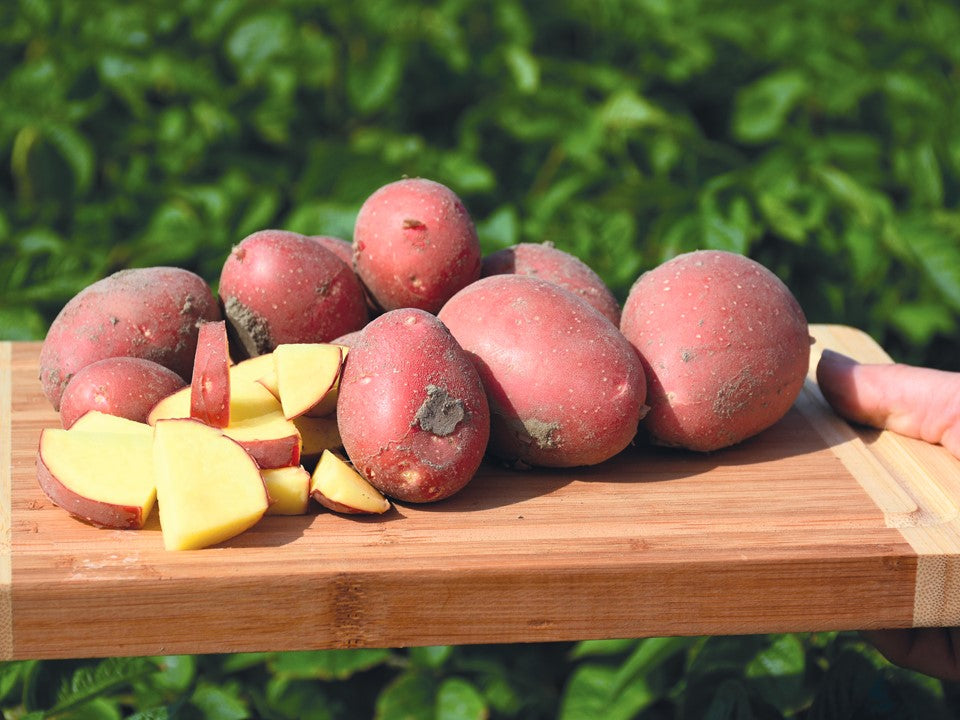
412	412
338	246
725	346
415	245
281	287
124	386
150	313
547	262
565	388
210	384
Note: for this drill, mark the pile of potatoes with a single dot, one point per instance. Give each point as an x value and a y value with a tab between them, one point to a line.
524	355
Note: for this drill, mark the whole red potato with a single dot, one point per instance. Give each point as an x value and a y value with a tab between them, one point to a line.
547	262
415	245
282	287
412	411
151	313
724	344
125	386
565	388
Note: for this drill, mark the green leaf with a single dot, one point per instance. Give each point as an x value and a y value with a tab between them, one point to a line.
372	81
219	702
761	109
411	696
176	672
500	229
731	702
458	699
107	676
594	648
846	689
327	664
626	110
776	673
650	653
76	150
432	657
590	693
523	68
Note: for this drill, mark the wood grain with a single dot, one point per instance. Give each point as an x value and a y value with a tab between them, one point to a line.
794	530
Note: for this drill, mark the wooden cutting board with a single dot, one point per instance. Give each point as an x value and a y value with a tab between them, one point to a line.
813	525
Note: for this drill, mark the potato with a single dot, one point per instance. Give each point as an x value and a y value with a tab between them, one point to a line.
414	245
338	246
724	344
412	411
547	262
124	386
282	287
150	313
565	388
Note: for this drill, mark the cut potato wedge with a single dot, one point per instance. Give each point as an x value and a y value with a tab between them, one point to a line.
208	487
105	478
289	490
338	487
210	384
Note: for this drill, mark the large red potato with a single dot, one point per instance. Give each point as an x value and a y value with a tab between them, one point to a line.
150	313
412	412
565	388
724	344
414	245
547	262
282	287
124	386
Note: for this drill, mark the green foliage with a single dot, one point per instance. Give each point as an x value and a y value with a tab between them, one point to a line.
826	676
818	137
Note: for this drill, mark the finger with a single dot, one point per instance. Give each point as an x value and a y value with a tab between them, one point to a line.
931	651
918	402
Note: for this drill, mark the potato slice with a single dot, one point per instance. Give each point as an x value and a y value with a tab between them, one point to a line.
210	384
97	421
256	422
306	373
318	434
338	487
105	478
208	487
289	490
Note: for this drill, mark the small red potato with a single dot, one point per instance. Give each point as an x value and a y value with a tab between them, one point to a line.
412	412
124	386
414	245
547	262
565	388
282	287
725	346
151	313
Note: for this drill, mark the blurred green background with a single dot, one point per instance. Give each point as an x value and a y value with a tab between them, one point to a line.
820	138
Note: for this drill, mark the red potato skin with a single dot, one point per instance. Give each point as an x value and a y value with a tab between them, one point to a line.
210	384
150	313
415	245
565	388
123	386
338	246
725	346
412	412
282	287
100	514
273	453
547	262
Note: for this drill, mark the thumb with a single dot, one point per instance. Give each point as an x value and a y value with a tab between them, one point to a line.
913	401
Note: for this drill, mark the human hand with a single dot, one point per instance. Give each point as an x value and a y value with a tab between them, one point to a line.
916	402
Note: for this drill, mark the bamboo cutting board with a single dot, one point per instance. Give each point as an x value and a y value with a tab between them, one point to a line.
813	525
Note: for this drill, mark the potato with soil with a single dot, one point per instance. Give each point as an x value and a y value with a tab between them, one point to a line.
547	262
724	344
565	388
150	313
415	245
124	386
412	412
282	287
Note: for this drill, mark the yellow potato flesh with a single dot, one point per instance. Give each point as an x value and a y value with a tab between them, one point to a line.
289	490
306	373
108	468
336	481
208	488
